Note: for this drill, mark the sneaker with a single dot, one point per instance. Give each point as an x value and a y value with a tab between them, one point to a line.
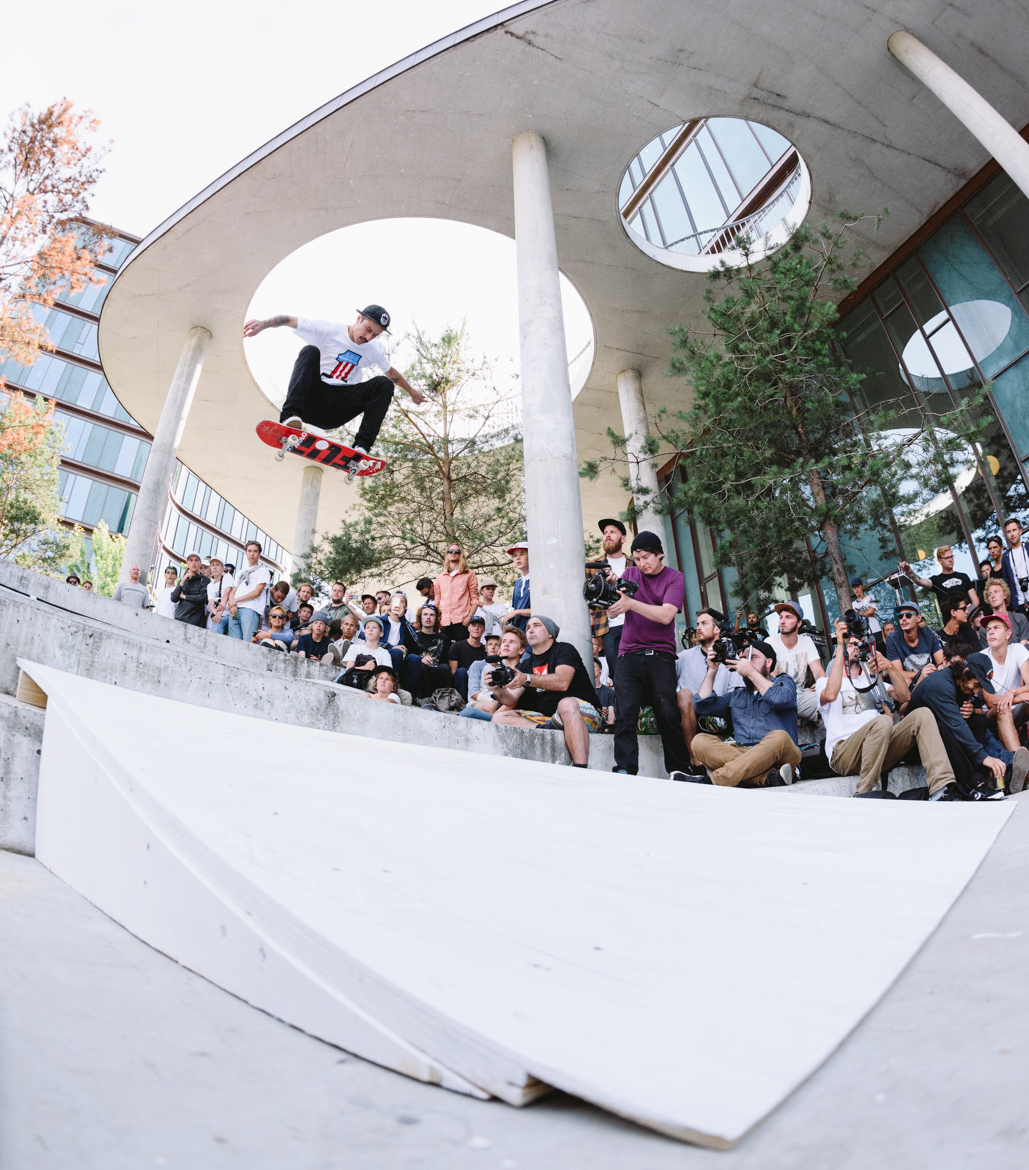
359	450
986	790
620	771
294	421
1019	770
691	777
876	794
774	779
949	791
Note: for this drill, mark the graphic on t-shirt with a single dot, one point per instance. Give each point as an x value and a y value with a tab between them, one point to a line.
345	362
541	669
855	702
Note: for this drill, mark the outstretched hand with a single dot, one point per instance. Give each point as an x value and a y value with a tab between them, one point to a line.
252	328
417	397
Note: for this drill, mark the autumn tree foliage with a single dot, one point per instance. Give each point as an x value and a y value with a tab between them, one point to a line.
31	533
49	164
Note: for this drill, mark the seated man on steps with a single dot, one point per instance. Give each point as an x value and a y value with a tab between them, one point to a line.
860	734
326	388
764	721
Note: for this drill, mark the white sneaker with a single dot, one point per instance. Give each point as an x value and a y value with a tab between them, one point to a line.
359	450
294	421
786	772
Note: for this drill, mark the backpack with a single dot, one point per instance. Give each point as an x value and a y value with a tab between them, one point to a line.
445	699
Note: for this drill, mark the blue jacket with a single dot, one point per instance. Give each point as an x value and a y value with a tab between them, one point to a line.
407	638
753	715
520	600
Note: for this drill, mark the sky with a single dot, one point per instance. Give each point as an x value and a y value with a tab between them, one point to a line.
183	91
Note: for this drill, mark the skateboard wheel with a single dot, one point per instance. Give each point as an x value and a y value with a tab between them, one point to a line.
321	445
364	465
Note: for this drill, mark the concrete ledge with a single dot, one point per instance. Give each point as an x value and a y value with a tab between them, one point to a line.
21	736
108	642
900	780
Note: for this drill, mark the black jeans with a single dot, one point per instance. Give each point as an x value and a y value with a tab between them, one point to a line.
322	405
967	773
644	679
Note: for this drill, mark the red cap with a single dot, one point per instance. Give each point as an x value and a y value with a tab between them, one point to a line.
999	617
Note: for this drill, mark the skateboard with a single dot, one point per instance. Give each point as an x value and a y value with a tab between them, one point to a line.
319	449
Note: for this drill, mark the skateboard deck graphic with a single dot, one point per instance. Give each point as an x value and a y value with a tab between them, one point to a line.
327	452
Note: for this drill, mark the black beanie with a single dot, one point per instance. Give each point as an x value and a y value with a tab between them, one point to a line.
647	542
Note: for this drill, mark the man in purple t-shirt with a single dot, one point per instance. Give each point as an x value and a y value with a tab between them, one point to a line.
644	672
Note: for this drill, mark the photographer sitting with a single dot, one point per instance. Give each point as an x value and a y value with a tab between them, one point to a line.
645	667
690	669
764	720
860	734
555	691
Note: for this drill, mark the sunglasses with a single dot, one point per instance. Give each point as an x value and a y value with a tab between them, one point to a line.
454	552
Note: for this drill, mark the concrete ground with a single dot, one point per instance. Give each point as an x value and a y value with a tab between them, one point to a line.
112	1056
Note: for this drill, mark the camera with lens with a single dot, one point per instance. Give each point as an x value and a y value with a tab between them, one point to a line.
500	674
601	593
1023	584
732	642
857	627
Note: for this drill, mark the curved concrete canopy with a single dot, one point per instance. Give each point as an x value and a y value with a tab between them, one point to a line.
431	137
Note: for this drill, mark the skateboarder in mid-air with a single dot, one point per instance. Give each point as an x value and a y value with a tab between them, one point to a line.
325	389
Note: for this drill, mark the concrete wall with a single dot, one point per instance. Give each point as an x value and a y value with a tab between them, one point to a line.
57	625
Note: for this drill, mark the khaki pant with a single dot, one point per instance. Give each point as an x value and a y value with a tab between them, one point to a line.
880	744
732	765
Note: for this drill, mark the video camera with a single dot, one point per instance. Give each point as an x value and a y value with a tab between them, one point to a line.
600	593
501	674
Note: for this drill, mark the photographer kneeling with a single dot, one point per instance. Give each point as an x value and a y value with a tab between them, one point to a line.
557	691
764	720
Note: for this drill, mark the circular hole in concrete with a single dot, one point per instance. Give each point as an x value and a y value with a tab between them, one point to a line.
695	192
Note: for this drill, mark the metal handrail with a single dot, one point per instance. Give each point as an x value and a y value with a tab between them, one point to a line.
738	228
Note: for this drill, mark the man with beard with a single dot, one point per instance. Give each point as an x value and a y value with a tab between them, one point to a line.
605	627
690	670
764	721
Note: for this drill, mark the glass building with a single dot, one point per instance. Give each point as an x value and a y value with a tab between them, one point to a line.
106	449
948	313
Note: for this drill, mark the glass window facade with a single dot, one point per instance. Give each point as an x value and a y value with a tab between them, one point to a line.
950	316
67	382
102	447
88	501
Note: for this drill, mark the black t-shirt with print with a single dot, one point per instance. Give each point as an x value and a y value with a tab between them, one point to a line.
950	587
464	654
545	702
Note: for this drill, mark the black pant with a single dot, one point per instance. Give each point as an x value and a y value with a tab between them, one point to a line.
456	633
322	405
967	773
647	679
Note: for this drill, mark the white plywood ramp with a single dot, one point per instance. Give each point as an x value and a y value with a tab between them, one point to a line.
679	954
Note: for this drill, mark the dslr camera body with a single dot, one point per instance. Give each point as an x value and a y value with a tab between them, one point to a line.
857	627
600	593
732	642
501	674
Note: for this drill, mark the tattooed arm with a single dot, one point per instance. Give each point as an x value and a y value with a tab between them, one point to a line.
252	328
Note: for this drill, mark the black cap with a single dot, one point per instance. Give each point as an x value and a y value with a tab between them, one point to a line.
713	613
980	665
377	314
602	524
765	649
386	670
647	542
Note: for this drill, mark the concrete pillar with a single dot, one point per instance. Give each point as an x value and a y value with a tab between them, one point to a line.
553	506
999	137
160	466
307	515
642	473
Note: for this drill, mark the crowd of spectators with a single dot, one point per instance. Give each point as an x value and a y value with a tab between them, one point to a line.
737	706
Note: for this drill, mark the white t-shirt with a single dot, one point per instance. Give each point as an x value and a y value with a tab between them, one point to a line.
1009	676
247	579
850	710
618	565
343	362
793	662
866	602
380	654
491	615
1019	560
225	583
394	633
165	605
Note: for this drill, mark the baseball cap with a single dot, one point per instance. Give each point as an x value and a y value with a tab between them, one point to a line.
602	524
477	621
514	548
765	649
998	617
486	582
982	668
908	607
374	617
792	606
856	581
712	613
377	314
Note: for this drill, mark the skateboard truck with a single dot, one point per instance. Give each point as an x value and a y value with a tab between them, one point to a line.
288	442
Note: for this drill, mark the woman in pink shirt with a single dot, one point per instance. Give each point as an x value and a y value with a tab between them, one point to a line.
456	594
